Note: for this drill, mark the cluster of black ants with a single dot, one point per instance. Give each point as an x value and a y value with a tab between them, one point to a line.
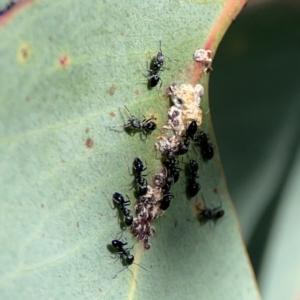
153	201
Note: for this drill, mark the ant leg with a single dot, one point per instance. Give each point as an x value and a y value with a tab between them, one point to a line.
120	271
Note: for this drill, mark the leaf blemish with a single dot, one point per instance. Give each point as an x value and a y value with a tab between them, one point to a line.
89	143
87	130
112	114
24	53
64	61
112	90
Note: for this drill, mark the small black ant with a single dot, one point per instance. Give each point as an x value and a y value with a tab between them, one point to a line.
145	126
189	134
119	199
211	214
193	186
183	146
139	167
171	165
155	68
206	148
171	161
125	254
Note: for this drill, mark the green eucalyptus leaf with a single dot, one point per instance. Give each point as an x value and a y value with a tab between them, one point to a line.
68	68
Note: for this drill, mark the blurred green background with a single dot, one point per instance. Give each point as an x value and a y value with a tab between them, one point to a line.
255	106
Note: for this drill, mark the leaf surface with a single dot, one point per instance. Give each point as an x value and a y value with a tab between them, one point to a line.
67	70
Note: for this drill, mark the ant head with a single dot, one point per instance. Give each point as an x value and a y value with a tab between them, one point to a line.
220	213
202	136
129	259
191	130
117	197
150	126
117	244
138	165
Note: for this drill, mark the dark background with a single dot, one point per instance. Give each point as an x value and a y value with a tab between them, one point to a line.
255	106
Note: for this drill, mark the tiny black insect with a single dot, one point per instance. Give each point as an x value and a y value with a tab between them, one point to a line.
193	186
211	214
171	165
214	213
155	68
125	254
141	182
206	148
183	146
119	199
145	125
171	161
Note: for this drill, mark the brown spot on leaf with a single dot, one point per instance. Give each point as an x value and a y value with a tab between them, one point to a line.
112	90
27	99
24	53
198	207
175	223
127	15
77	224
215	190
89	143
63	61
42	205
122	33
112	114
62	161
87	130
137	92
99	290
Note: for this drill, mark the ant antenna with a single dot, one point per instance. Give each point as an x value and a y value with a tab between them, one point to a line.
140	266
127	267
129	112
